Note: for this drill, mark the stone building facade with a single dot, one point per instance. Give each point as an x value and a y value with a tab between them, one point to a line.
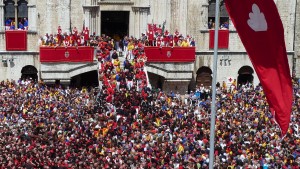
190	17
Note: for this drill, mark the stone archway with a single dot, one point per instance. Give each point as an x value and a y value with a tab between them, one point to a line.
87	79
204	76
28	72
245	75
156	81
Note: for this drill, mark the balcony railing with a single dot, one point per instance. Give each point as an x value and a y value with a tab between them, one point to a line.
170	54
66	54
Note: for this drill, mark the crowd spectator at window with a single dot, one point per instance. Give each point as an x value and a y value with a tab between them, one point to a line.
10	24
223	25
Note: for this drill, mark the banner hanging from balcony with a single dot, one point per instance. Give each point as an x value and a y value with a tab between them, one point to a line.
223	41
16	40
66	54
169	54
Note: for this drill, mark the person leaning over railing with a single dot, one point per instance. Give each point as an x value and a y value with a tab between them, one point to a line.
184	43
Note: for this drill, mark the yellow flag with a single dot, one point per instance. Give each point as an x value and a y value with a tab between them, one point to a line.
158	122
180	148
169	112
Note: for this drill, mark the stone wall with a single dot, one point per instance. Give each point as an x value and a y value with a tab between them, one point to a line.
12	69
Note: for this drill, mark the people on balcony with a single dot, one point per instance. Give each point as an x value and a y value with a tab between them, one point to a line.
126	46
10	24
25	23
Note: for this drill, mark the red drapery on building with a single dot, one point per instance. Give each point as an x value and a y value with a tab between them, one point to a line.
169	54
223	41
69	54
16	40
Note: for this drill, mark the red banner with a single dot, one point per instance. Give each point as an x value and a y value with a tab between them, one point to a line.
151	27
16	40
69	54
169	54
223	39
260	28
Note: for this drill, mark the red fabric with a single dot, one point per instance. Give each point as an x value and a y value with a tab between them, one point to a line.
266	48
16	40
86	34
152	27
223	40
52	54
150	35
168	54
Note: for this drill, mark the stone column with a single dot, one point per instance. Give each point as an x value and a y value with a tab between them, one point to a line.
131	23
87	15
204	18
32	16
98	32
94	25
98	22
64	15
2	26
16	14
48	19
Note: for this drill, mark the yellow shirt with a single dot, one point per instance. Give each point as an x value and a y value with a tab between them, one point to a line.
130	46
184	44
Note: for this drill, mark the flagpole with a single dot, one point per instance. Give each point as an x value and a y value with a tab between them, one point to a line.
213	104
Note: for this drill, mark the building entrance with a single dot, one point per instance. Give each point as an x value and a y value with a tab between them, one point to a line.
204	76
29	72
245	75
115	23
88	79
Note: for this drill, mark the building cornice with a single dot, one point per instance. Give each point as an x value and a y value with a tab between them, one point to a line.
31	6
30	32
141	9
19	53
90	6
115	3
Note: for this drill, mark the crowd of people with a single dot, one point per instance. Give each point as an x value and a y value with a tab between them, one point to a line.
166	39
74	38
84	38
125	124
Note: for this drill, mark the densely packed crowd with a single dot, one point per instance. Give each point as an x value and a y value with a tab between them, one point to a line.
124	126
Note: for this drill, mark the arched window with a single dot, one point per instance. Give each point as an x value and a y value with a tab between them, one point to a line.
224	18
10	17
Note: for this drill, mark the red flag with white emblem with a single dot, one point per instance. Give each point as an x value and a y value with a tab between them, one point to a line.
260	28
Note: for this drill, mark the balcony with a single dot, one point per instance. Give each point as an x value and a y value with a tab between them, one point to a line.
170	54
66	54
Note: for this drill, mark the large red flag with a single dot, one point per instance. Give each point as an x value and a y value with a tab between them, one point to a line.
260	28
